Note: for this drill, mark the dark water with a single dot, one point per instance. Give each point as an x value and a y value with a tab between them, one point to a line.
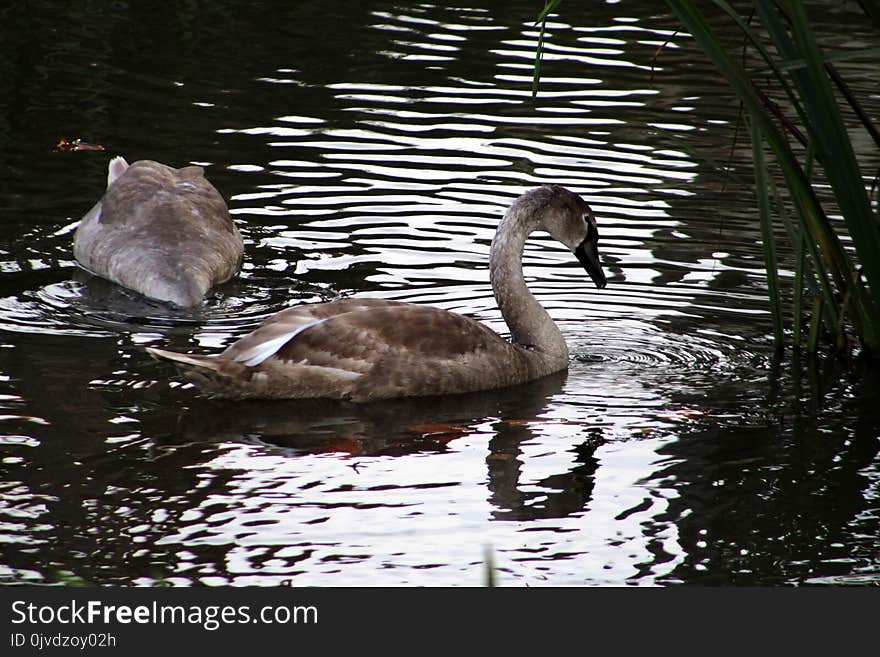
370	148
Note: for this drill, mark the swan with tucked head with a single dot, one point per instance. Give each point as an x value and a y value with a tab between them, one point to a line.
368	349
160	231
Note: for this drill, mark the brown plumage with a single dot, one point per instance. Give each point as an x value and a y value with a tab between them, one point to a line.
160	231
365	349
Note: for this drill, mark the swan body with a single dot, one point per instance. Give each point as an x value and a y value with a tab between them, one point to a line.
160	231
363	349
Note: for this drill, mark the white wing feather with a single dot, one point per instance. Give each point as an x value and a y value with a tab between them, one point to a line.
265	350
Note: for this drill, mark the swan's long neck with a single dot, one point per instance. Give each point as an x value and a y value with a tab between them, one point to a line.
530	325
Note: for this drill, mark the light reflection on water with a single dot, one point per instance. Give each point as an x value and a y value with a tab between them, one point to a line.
385	175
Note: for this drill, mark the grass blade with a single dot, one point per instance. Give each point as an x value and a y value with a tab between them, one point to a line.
549	6
815	324
797	302
767	239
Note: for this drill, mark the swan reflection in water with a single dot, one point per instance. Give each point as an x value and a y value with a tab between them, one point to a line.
401	427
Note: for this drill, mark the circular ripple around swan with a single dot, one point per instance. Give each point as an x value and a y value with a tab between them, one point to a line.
642	344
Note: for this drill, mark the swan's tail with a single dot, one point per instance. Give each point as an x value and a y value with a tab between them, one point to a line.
222	377
184	360
205	371
116	168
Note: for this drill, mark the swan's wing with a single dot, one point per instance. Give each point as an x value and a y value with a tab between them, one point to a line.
374	334
406	351
282	327
420	350
360	334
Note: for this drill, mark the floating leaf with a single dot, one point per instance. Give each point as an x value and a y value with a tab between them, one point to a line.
65	146
439	431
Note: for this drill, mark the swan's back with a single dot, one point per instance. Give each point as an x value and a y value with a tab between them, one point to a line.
160	231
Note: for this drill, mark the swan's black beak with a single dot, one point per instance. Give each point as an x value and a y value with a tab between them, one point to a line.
587	253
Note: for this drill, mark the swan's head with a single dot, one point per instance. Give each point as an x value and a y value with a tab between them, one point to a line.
568	218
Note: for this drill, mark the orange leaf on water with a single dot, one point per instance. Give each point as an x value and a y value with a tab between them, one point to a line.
439	431
65	146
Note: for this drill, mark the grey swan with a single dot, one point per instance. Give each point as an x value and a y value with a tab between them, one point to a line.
160	231
361	349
